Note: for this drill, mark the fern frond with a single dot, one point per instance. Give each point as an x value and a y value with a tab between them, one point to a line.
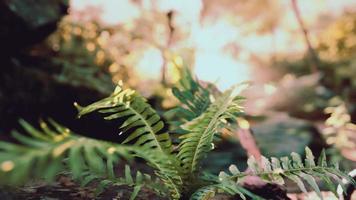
205	193
198	141
195	98
166	168
137	182
55	149
138	115
42	154
150	144
292	168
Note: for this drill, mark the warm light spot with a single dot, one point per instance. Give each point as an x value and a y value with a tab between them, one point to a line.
113	68
77	31
66	132
103	39
207	39
269	89
111	150
150	64
100	57
62	148
90	46
120	83
221	69
243	123
7	166
278	171
171	65
178	61
173	72
260	103
212	98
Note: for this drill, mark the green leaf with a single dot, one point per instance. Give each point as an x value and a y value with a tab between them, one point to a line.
101	186
297	180
322	159
297	160
276	164
311	181
135	192
128	176
233	169
285	163
198	141
58	150
76	162
138	116
309	160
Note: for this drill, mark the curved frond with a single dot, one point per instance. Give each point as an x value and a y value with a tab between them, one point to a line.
149	144
166	168
198	141
55	149
140	118
42	154
293	168
195	98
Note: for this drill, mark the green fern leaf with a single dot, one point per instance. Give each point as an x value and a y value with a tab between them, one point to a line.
198	141
139	118
204	193
194	97
42	155
293	169
166	168
227	187
137	182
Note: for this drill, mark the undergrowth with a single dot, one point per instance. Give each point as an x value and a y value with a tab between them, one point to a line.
178	174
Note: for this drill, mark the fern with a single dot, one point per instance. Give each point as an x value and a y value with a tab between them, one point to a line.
150	144
139	118
166	168
194	97
227	187
137	182
198	141
177	174
276	170
42	154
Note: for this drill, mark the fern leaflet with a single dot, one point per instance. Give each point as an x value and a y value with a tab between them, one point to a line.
139	118
198	141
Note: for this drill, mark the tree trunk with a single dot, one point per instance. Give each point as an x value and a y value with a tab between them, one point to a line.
168	44
314	59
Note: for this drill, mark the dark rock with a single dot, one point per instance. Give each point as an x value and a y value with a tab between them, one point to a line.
269	191
31	85
4	195
30	90
24	23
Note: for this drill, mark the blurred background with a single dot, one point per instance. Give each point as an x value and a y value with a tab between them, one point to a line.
298	55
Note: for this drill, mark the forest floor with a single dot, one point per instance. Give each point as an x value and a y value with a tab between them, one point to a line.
66	189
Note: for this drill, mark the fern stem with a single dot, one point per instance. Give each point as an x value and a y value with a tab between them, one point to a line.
241	175
208	128
149	128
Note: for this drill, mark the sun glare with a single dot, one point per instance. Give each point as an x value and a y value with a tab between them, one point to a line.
208	39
